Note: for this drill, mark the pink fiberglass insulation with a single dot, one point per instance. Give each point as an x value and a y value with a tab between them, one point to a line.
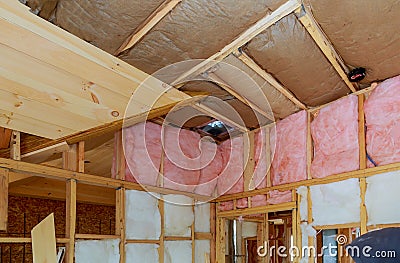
230	181
289	162
335	135
182	159
261	167
279	197
142	147
382	115
211	164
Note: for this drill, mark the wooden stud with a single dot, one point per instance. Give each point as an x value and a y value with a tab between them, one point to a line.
3	199
120	221
220	240
246	36
94	236
22	240
193	236
213	228
161	248
70	220
269	78
15	146
81	157
148	24
310	147
324	44
249	165
311	242
363	162
257	210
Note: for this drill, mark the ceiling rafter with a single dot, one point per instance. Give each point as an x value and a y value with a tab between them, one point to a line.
264	23
319	37
148	24
269	78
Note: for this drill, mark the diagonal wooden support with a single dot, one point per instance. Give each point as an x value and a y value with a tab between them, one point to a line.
264	23
269	78
148	24
324	44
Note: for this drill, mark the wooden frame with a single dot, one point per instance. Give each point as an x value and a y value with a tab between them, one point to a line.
148	24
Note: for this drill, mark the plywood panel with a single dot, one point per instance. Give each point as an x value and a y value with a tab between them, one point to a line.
44	241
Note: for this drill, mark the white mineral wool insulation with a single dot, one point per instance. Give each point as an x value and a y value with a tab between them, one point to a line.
336	203
177	251
249	229
143	219
381	198
202	250
306	231
303	192
202	218
97	251
179	216
138	253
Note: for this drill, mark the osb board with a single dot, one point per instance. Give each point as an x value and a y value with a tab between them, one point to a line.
190	31
105	24
44	241
364	33
287	51
24	213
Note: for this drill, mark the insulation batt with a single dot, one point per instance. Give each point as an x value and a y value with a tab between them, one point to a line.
210	169
382	115
230	181
261	167
289	163
182	159
142	147
335	135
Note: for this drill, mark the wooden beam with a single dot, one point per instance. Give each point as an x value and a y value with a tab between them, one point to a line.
264	23
316	181
22	240
3	199
100	82
324	44
148	24
257	210
363	163
269	78
44	154
5	137
70	220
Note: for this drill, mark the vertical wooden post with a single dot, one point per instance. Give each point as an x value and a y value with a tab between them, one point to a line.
70	219
3	199
294	222
213	229
120	198
248	172
220	245
162	235
15	146
311	242
120	221
269	156
192	232
81	157
309	146
363	162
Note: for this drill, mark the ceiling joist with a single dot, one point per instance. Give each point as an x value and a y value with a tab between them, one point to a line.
269	78
324	44
148	24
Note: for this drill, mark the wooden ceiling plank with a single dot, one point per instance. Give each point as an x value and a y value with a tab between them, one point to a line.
269	78
325	45
35	110
264	23
5	137
148	24
53	45
25	124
